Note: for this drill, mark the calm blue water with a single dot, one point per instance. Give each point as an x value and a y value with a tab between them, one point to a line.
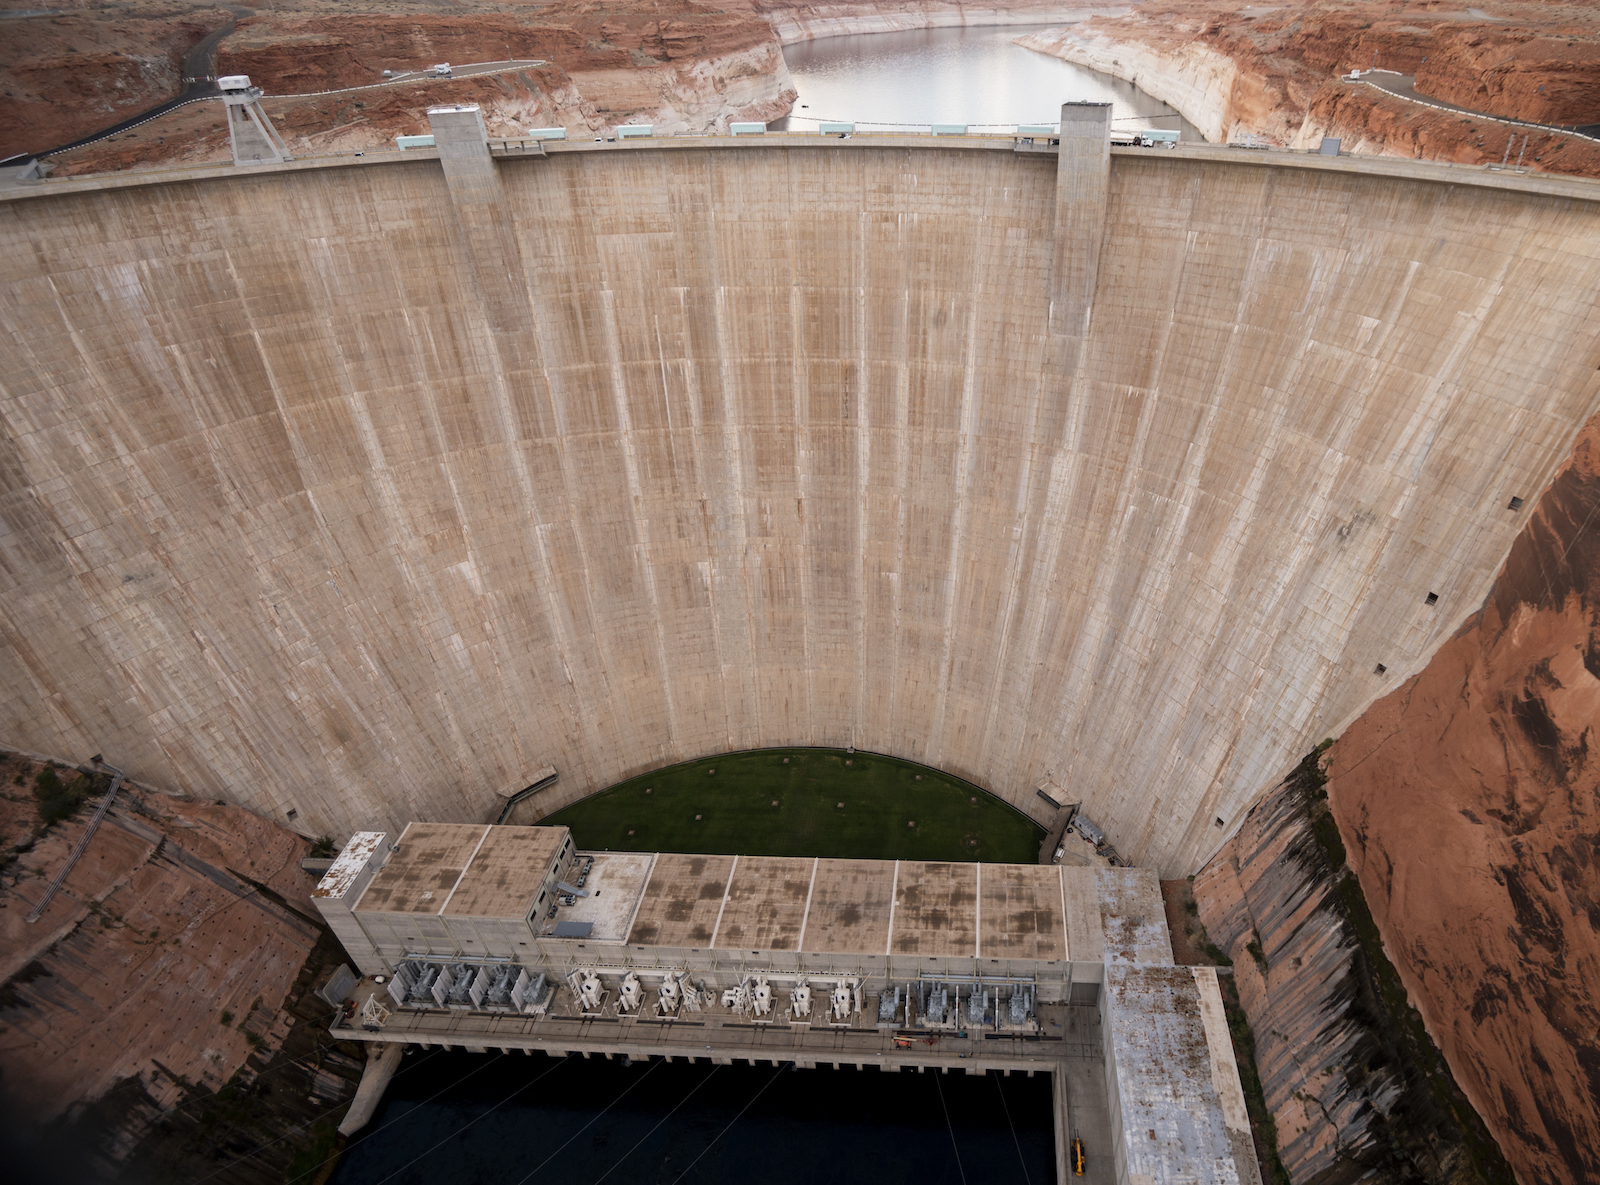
977	76
493	1119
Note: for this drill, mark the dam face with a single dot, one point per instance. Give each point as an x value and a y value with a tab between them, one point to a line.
364	491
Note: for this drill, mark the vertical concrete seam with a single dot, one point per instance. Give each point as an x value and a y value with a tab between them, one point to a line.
728	888
805	918
487	827
1066	939
977	914
894	894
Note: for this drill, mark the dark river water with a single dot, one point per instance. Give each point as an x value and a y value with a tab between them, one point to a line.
494	1119
977	77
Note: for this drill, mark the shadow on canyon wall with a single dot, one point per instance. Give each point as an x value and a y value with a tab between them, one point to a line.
1469	932
158	1023
1355	1088
1470	801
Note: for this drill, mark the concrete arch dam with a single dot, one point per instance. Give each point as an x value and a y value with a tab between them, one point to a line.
364	488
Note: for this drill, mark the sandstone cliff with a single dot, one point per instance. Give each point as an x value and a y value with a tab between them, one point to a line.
67	75
1367	120
806	22
1274	72
159	1022
1470	802
157	932
680	66
1525	74
1356	1089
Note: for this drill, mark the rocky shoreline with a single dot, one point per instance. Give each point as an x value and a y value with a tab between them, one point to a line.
1273	74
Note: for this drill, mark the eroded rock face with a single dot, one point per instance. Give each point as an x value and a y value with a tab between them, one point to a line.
1356	1089
1273	71
801	21
158	959
69	75
1519	73
678	65
1469	800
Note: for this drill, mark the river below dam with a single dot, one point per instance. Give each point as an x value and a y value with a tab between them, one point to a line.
466	1119
975	76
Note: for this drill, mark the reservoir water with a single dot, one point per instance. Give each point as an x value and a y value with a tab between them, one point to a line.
510	1119
973	76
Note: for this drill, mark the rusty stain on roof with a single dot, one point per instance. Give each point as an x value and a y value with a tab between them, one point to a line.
341	875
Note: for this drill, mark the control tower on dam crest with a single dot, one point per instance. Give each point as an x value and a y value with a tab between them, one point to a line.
357	490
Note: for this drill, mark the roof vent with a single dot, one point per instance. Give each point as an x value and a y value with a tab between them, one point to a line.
1433	598
1514	504
1379	669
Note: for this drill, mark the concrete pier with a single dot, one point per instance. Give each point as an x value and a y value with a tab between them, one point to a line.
383	1059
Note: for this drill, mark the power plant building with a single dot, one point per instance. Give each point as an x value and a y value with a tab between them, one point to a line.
509	932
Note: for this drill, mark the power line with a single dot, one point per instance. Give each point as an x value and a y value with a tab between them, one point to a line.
1025	1177
591	1122
664	1118
731	1122
469	1123
297	1128
954	1147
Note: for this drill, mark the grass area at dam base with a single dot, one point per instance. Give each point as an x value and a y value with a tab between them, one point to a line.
786	802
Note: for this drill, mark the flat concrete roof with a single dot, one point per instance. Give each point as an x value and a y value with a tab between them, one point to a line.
683	901
1135	920
935	909
1174	1126
505	874
341	874
616	882
1022	913
781	903
850	907
766	903
420	876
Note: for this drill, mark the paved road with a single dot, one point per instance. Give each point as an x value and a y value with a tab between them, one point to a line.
199	82
1404	86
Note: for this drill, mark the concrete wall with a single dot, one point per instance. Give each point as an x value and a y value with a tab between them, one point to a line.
322	493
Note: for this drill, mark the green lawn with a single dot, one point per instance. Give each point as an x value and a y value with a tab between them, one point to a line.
893	810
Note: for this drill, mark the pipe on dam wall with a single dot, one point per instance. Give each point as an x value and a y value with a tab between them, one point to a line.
361	493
